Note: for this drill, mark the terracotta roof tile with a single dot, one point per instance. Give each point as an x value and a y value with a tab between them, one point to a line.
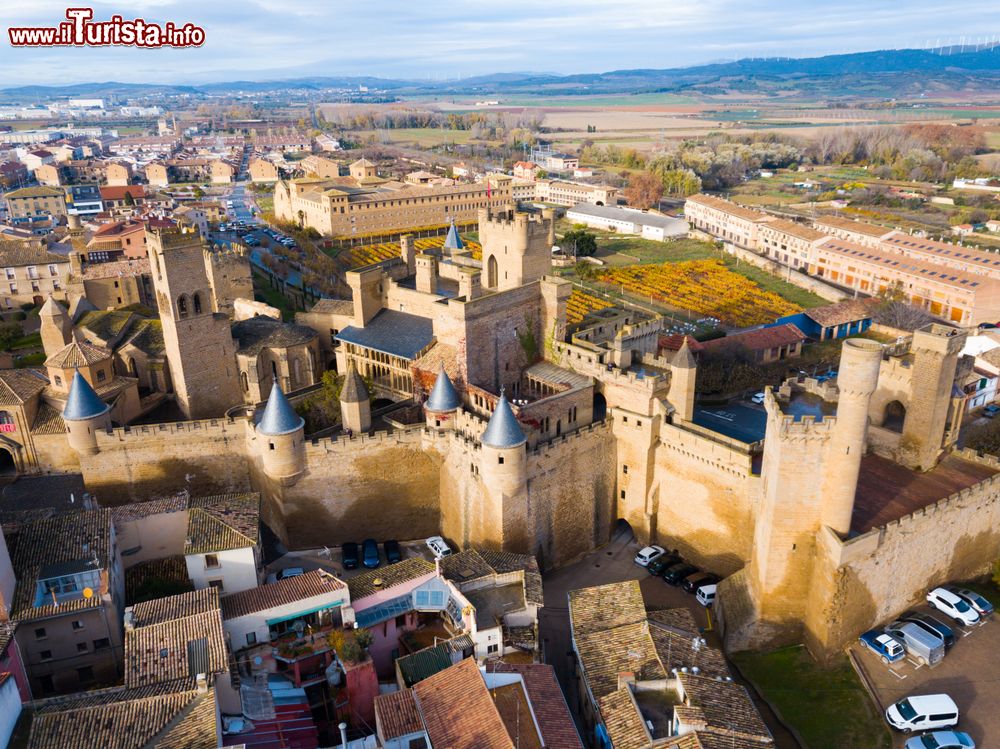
170	721
395	574
78	354
605	654
606	606
623	721
760	339
843	312
726	706
396	715
20	385
281	593
176	650
162	610
457	710
547	702
223	522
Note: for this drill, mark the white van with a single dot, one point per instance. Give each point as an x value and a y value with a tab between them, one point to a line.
922	712
438	547
705	595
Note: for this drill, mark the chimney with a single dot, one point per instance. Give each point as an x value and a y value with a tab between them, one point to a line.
128	619
202	680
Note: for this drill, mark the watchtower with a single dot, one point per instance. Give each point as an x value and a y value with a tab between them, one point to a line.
198	341
517	247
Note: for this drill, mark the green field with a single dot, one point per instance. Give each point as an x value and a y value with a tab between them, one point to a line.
424	137
264	292
827	707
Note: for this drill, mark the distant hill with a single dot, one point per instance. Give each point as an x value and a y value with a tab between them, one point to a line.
883	71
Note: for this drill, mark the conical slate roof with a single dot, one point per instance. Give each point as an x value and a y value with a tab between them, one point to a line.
684	358
503	430
354	390
83	402
279	417
443	396
453	241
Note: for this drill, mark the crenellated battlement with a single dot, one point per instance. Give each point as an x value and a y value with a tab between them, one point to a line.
186	429
788	427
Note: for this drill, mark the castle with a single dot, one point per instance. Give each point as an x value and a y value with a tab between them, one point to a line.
471	409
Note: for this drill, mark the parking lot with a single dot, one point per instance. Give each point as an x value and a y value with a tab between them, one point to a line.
329	559
969	674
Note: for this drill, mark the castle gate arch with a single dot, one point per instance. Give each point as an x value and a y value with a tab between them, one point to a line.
894	416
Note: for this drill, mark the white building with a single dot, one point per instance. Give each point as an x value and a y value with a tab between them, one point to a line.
628	221
222	546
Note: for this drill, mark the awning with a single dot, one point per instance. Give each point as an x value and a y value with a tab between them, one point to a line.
306	612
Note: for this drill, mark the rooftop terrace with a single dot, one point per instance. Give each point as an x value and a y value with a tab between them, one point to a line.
888	491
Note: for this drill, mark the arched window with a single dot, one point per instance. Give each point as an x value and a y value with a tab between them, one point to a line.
133	370
246	382
197	304
296	374
182	306
491	272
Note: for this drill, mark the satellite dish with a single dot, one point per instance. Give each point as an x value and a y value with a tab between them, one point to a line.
88	592
257	660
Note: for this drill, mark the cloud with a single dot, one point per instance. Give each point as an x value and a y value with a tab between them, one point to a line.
444	38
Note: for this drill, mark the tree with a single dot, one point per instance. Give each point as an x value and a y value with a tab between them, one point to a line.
129	200
644	190
584	242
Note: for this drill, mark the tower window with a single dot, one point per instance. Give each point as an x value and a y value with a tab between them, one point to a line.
500	460
197	304
182	306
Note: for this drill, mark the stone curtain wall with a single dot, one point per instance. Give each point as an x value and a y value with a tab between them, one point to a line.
871	578
136	463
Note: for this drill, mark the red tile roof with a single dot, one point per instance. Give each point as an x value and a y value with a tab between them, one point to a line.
281	593
117	192
457	710
548	703
758	340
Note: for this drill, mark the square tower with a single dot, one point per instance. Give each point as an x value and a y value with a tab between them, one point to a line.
517	247
199	343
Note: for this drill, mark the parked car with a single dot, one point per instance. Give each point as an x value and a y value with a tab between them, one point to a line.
931	624
758	398
675	575
991	410
921	712
693	582
926	647
705	595
392	552
887	648
439	548
983	607
660	564
952	605
369	553
349	555
285	574
941	740
648	554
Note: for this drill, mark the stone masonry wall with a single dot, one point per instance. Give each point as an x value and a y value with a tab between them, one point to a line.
869	579
380	487
206	457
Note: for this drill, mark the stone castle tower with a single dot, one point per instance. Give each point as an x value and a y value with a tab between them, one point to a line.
200	347
517	247
683	376
85	414
355	405
504	474
810	475
230	278
936	350
280	439
56	327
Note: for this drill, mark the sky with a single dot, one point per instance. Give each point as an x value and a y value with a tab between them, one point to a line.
420	39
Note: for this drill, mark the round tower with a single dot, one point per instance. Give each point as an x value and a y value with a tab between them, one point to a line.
281	438
85	414
505	520
504	457
857	379
443	403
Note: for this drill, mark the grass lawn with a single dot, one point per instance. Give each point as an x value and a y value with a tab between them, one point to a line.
770	282
263	292
28	341
828	707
